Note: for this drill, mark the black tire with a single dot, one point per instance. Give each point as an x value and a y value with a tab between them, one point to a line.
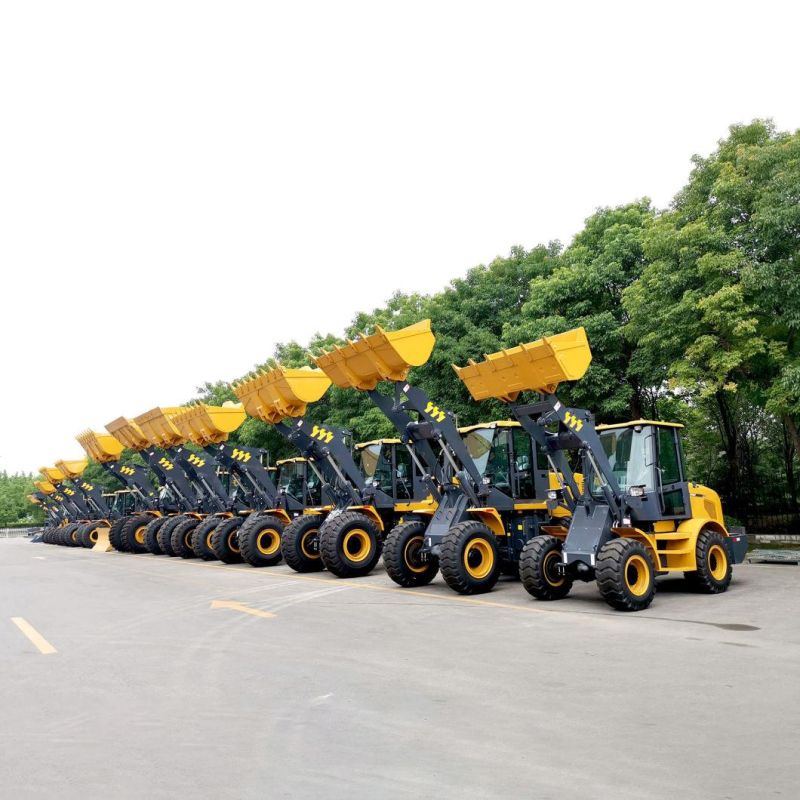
350	544
181	540
469	560
626	575
400	555
260	540
115	534
225	540
85	538
164	534
79	533
537	569
201	537
151	535
714	569
299	543
67	532
133	533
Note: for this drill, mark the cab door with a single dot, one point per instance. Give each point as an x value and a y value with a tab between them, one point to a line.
673	489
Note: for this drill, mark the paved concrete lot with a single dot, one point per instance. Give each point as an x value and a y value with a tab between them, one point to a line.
176	678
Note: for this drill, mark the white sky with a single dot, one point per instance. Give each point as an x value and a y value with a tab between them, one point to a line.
182	184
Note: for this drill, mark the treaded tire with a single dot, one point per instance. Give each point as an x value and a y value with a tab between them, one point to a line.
469	559
260	540
225	542
620	568
297	540
151	535
536	568
85	534
399	555
714	569
115	534
79	533
201	537
350	544
164	534
133	533
181	540
66	534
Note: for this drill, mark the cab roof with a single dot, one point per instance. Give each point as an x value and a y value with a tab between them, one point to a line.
362	445
498	423
291	460
659	423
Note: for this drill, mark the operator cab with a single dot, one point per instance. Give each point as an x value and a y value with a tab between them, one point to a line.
647	461
508	459
387	465
296	478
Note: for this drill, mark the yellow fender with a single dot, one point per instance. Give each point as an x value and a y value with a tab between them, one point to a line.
371	513
491	518
102	545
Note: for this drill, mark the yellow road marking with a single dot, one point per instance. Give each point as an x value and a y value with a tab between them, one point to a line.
43	646
235	606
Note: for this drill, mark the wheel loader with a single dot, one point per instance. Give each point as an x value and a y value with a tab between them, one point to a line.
490	480
637	517
357	509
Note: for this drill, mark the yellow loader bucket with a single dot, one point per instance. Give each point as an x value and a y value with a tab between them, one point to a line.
102	447
281	392
209	424
45	487
381	356
73	469
52	474
158	427
128	433
537	366
33	499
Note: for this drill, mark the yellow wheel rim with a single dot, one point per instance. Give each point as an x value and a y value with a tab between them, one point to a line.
637	575
357	544
208	540
187	540
139	535
268	542
93	535
304	541
410	552
548	568
717	562
478	558
232	542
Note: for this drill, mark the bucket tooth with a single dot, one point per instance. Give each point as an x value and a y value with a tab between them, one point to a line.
158	427
102	447
537	366
52	474
204	424
381	356
128	433
72	469
281	392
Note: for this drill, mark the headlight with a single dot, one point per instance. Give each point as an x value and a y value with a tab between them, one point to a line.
636	491
552	494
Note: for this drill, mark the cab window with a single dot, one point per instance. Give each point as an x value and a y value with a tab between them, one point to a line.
523	463
668	456
404	479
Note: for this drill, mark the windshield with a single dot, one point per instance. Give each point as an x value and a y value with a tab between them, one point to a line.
626	449
375	464
479	444
290	478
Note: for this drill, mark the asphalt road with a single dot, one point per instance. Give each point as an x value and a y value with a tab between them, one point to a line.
175	678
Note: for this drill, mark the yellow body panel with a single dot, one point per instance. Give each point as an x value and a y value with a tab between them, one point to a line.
371	513
73	469
52	474
128	433
204	424
497	423
158	427
103	543
281	392
102	447
705	503
362	445
636	422
381	356
537	366
290	460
